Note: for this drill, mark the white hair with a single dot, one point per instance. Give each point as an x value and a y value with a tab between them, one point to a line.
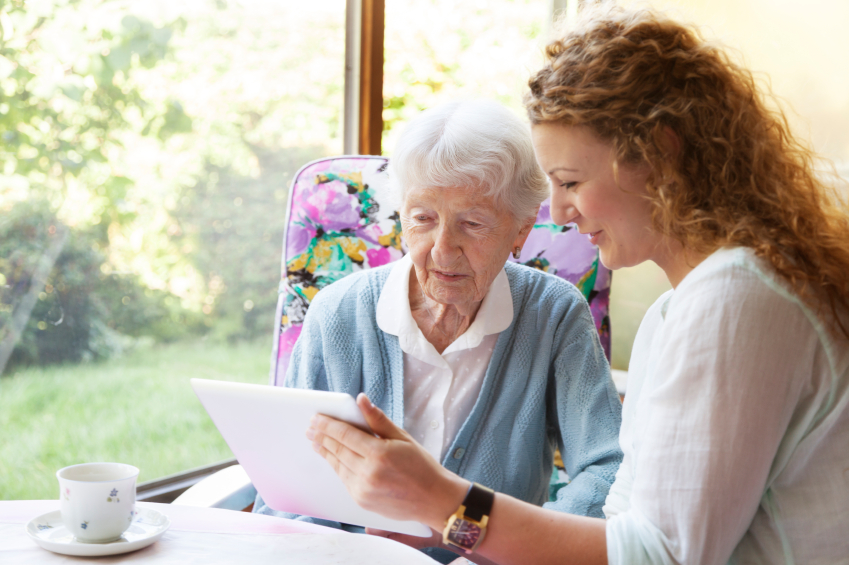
479	145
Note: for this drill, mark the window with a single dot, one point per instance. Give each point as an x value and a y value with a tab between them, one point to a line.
147	150
444	50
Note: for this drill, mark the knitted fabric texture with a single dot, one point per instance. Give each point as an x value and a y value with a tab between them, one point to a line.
548	385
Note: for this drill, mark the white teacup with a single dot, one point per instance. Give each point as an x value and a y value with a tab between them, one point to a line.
97	500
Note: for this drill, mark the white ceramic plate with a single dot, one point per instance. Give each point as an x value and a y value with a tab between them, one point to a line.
49	532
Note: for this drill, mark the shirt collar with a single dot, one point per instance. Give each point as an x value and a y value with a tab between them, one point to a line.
395	317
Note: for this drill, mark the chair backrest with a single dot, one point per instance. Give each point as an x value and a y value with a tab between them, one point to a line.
339	220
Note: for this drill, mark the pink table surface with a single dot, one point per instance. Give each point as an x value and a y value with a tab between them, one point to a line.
212	537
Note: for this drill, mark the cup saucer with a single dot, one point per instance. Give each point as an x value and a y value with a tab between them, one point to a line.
49	532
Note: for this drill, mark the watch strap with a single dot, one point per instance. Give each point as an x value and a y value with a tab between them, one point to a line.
478	502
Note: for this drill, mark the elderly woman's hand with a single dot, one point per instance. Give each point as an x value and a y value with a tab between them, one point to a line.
389	474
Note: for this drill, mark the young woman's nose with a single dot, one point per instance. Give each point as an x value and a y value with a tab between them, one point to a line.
563	211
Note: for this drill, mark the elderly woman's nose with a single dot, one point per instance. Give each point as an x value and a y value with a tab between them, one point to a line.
445	247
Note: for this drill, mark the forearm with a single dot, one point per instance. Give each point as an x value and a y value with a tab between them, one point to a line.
520	533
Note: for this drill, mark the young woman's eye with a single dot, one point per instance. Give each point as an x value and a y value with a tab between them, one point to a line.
568	185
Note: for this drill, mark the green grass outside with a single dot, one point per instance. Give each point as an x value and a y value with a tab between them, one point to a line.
137	409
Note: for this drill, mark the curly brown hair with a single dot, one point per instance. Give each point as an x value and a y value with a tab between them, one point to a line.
738	176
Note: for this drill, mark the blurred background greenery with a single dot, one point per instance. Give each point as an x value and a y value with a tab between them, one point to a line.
137	409
146	150
154	154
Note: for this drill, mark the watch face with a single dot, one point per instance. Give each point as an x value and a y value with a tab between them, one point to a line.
463	533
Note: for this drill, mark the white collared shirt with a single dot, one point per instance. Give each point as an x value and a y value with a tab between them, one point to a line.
440	390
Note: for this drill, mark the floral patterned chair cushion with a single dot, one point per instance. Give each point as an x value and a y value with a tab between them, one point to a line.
339	221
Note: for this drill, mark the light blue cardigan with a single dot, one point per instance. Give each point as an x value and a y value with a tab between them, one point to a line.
548	385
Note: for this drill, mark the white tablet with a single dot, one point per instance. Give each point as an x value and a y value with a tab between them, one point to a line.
266	426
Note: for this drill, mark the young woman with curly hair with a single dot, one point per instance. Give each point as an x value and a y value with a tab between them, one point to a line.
736	423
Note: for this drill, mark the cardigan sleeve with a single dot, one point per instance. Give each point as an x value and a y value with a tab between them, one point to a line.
588	413
306	367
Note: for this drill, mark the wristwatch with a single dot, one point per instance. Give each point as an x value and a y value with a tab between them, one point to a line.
466	527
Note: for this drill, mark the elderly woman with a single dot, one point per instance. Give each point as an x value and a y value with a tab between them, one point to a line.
489	365
736	424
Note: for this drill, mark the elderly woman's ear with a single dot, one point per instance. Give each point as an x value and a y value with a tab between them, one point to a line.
525	230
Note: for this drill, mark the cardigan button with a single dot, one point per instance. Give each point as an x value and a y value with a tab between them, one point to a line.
459	452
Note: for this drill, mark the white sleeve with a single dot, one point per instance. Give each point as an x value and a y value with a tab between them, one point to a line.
731	363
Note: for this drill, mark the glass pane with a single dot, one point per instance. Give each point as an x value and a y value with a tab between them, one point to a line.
445	50
147	150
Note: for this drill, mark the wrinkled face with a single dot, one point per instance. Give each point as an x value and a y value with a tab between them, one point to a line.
616	217
458	241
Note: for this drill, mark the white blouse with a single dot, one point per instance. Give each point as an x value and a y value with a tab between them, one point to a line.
440	390
735	427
